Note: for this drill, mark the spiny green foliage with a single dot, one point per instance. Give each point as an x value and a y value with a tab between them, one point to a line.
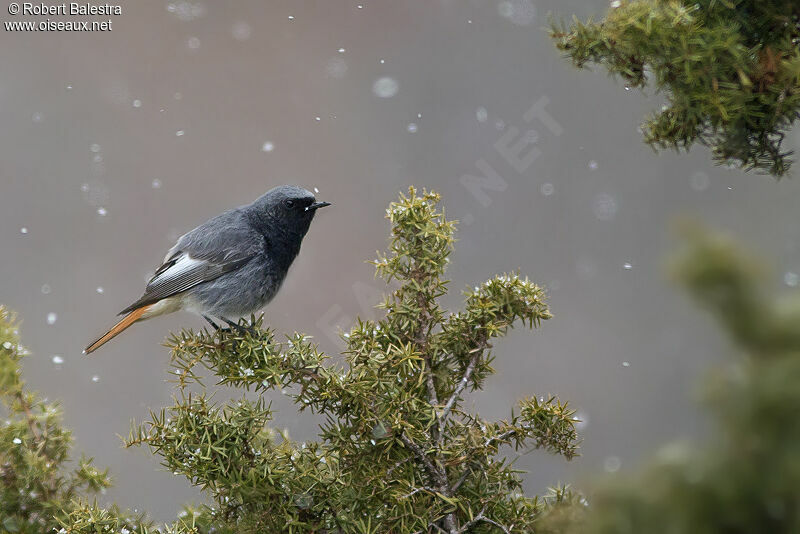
748	478
397	452
38	482
730	70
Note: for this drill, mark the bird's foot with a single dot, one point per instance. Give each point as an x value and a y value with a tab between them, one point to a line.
241	329
211	321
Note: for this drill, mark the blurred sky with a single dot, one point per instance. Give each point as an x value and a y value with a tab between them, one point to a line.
114	144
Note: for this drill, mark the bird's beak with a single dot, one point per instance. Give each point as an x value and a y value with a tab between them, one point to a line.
317	205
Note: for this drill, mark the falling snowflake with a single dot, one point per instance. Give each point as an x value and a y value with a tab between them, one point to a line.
519	12
241	31
385	87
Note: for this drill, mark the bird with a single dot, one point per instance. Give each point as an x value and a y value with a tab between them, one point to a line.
230	266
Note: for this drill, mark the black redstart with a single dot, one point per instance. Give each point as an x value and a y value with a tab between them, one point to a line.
231	265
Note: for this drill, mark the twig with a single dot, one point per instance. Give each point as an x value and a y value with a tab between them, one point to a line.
495	523
435	473
462	478
500	437
417	490
462	384
475	520
422	345
28	415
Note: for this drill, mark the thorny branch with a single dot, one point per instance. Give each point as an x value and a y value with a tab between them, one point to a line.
465	378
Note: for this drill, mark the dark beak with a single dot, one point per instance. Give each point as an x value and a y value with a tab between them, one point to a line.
317	205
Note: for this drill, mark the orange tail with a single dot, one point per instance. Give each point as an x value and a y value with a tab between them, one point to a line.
117	329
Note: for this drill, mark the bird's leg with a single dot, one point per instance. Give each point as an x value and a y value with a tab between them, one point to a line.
239	328
211	322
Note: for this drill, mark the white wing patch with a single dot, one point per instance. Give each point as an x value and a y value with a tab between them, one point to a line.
182	272
182	267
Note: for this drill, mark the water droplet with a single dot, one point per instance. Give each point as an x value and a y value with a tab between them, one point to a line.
604	207
241	31
179	133
137	103
593	165
317	119
156	183
37	117
627	266
336	67
100	290
69	88
94	147
519	12
547	189
95	379
481	114
291	17
95	193
101	211
58	360
45	289
186	11
268	146
52	317
626	364
383	61
385	87
612	464
342	50
412	127
16	441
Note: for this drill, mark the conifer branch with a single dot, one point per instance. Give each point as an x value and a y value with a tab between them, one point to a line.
729	71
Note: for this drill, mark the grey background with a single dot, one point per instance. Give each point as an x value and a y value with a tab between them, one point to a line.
92	167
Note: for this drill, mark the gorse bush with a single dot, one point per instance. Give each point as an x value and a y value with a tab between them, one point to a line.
38	479
730	70
747	477
397	451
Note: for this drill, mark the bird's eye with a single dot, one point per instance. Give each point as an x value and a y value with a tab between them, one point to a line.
289	203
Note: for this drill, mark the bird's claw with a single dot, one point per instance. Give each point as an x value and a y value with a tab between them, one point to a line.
241	329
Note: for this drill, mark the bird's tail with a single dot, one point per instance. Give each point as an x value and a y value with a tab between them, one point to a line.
117	329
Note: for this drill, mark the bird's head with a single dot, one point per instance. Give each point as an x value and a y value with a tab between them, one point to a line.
289	209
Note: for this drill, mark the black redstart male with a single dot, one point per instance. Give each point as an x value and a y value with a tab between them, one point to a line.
231	265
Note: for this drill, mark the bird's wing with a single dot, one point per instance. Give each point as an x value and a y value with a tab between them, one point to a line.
219	246
183	271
